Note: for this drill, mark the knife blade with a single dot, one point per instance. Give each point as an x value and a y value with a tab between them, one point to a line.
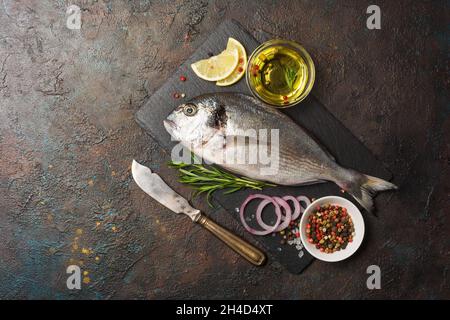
152	184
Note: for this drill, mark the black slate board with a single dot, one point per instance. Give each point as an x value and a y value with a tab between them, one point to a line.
310	114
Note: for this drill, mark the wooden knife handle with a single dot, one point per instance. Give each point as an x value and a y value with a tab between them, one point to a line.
245	249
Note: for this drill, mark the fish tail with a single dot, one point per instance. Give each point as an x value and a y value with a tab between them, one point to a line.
364	187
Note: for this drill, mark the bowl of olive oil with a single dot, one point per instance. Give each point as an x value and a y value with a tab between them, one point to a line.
280	73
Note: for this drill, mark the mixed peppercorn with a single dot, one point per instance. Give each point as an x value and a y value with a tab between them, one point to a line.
330	228
178	95
291	232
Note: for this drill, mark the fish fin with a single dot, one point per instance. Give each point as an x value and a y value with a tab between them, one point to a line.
325	150
308	183
364	187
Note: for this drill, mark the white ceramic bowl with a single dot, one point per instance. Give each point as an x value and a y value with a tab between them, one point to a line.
358	223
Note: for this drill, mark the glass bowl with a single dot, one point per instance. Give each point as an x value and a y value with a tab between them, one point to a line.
280	73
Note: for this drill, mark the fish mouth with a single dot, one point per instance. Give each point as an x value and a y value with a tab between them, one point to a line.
169	124
171	128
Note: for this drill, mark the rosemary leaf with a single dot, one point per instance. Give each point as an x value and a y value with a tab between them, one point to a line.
290	75
208	179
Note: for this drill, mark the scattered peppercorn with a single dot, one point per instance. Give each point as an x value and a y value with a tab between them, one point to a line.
330	228
176	95
182	78
291	232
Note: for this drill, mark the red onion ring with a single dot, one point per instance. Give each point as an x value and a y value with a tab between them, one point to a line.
286	218
283	219
305	200
258	215
297	206
265	198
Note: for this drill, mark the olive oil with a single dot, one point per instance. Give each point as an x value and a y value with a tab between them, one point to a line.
280	75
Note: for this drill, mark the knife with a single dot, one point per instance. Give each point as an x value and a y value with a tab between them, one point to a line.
152	184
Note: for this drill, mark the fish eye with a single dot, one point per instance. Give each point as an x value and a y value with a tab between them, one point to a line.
190	109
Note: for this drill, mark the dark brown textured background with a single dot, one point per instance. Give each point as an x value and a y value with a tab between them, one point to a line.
67	136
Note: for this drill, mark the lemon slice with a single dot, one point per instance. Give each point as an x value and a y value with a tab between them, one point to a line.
239	71
217	67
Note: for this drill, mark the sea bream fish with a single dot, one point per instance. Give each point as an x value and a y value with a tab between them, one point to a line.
208	124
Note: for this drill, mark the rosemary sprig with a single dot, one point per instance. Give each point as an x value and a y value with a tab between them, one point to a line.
210	179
